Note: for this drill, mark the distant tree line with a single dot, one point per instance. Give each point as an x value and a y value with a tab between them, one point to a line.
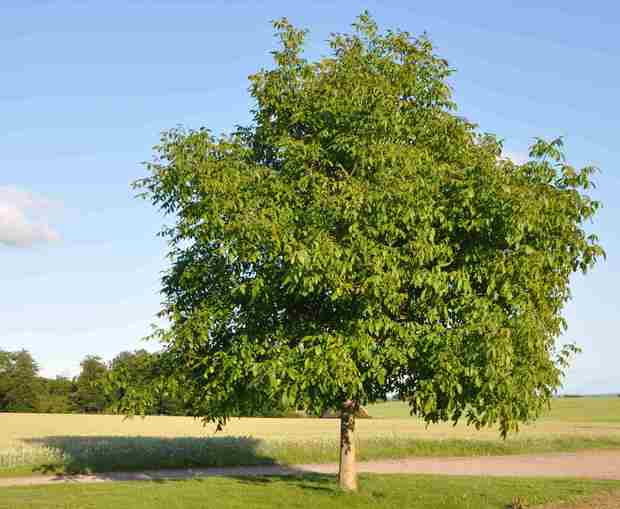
22	389
99	387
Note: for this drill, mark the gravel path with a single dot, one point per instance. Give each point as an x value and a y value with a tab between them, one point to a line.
602	464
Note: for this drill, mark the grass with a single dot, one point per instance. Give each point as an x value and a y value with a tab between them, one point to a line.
376	491
567	410
593	410
108	454
31	443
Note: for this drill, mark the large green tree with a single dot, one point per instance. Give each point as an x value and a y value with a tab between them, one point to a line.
360	238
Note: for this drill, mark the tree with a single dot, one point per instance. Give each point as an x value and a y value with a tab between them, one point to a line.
89	396
361	239
137	372
56	395
5	364
19	383
136	364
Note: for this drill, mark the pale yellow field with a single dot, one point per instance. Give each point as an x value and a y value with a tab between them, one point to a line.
79	443
18	428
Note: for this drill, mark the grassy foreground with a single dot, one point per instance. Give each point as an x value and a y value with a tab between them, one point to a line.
381	492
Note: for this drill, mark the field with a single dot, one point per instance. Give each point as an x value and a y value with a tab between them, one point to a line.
594	409
35	443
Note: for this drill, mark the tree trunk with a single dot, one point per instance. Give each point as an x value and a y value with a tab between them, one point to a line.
347	475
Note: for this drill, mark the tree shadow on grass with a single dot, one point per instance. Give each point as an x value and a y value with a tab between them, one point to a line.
298	478
100	454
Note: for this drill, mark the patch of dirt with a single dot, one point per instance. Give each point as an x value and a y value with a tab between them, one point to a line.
592	464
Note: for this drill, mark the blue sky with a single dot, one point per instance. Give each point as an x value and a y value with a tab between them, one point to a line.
86	87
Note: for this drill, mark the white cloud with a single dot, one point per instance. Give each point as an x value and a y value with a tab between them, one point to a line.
22	218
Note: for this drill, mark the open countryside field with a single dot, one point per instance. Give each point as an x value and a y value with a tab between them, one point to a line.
34	443
591	409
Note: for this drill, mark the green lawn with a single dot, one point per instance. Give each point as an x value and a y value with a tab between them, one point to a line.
394	491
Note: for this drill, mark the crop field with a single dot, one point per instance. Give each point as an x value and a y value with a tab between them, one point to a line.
32	443
594	409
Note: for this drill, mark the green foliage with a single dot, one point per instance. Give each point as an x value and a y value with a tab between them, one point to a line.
23	390
359	239
5	365
19	384
136	375
56	396
88	396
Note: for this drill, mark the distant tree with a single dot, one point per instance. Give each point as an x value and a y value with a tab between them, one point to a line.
56	396
138	372
19	384
5	360
136	363
89	396
134	368
5	364
166	398
361	239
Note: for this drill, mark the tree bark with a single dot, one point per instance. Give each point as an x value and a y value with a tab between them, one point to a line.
347	475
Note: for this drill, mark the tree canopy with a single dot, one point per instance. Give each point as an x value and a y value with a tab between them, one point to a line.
361	238
88	395
19	384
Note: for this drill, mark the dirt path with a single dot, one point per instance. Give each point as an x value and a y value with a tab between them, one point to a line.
584	464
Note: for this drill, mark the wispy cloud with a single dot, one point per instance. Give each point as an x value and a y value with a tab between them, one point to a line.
23	218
